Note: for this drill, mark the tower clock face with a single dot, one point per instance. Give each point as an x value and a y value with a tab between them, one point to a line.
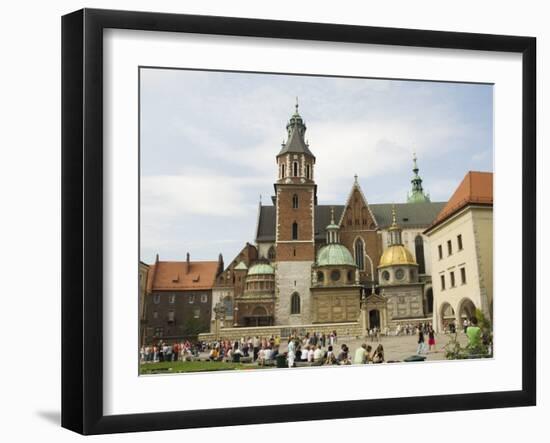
399	274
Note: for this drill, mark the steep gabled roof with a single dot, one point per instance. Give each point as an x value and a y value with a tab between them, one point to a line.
419	215
181	275
476	188
357	187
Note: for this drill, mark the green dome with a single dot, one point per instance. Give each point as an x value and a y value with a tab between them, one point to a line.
261	269
334	254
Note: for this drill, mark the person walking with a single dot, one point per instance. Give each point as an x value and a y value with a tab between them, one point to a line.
431	339
420	347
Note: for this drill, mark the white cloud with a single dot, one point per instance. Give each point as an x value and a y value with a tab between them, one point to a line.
167	196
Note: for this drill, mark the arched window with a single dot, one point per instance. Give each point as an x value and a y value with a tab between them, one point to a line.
271	253
295	169
359	254
295	201
294	231
295	303
228	305
419	250
283	170
308	172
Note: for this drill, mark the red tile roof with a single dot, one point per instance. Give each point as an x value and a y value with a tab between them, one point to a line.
181	276
476	188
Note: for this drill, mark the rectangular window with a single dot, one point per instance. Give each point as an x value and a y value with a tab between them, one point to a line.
155	315
171	317
204	298
159	332
463	275
452	279
191	299
459	241
196	313
440	250
442	282
172	299
449	247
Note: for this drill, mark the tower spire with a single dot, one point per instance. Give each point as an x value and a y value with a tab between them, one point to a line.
333	230
395	229
296	131
417	194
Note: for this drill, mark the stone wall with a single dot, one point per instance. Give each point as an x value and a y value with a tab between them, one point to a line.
343	331
404	302
291	277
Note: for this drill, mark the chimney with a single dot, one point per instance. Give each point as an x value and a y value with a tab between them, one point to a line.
188	263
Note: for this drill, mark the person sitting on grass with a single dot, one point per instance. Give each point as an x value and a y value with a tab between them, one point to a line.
261	356
214	354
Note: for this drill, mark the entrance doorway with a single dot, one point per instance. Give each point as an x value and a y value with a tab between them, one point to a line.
374	319
429	301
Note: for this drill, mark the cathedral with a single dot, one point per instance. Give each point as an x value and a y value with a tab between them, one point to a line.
313	264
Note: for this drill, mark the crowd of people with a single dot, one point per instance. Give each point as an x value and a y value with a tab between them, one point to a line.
162	351
315	348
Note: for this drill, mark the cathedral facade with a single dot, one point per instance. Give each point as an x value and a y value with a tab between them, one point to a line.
314	264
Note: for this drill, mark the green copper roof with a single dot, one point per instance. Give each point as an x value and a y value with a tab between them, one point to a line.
334	255
240	266
417	194
417	197
261	269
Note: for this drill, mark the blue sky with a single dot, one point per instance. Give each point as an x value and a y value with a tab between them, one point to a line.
209	141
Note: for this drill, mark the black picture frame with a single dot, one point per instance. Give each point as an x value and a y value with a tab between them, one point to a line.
82	218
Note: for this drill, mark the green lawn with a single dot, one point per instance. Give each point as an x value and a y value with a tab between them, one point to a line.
193	366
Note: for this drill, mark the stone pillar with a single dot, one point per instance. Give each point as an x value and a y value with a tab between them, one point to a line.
383	318
364	320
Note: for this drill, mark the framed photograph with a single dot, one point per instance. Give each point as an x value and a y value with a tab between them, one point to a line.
269	221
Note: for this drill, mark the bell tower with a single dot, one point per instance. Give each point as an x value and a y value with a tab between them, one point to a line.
295	200
296	195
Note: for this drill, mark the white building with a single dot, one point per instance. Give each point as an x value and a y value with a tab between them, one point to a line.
461	250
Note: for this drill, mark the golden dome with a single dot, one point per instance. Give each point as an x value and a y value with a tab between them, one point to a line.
396	255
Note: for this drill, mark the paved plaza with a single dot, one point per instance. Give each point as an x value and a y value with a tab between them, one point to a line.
396	348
